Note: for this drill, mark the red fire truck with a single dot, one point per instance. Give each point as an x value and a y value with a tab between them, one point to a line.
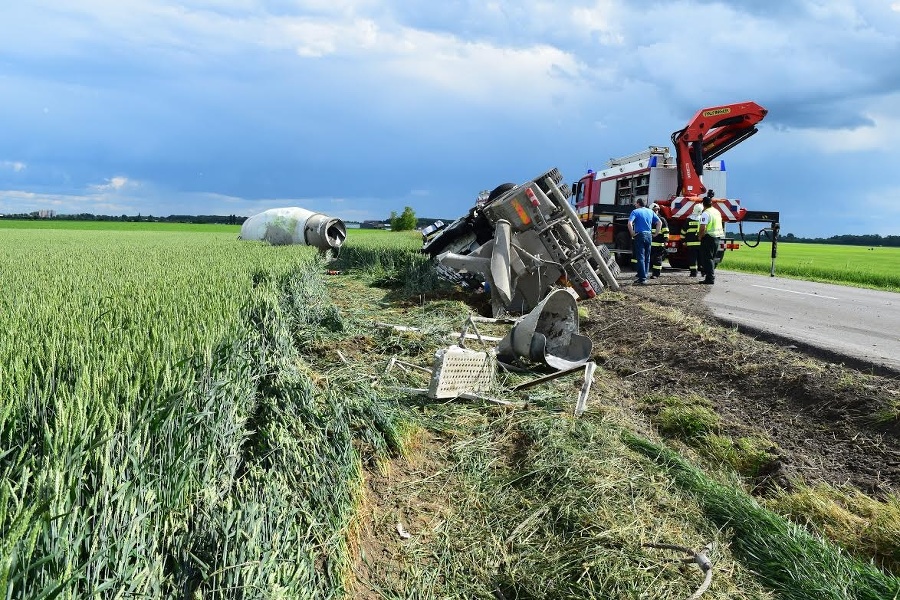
605	198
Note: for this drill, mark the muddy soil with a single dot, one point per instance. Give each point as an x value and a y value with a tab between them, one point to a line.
830	422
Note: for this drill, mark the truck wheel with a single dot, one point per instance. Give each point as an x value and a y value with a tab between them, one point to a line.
499	191
605	254
678	263
554	175
608	258
623	242
458	237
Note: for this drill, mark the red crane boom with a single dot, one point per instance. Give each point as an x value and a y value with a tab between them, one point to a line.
711	132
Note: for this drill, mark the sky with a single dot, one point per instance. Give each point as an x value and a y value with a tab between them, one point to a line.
357	108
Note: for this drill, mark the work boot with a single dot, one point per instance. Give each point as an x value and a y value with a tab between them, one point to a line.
693	273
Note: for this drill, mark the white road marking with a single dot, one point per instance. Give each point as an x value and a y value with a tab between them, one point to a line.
793	292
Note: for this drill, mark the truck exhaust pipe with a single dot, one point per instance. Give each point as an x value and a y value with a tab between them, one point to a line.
293	225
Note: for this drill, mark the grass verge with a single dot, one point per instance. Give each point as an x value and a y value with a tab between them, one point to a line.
786	558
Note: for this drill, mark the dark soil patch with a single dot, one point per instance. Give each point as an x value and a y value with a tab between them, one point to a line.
823	417
395	509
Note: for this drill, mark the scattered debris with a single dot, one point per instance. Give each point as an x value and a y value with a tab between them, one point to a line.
468	336
460	370
401	531
588	369
700	557
548	334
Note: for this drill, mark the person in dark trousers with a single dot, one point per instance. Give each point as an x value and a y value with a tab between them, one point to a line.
658	244
641	225
711	232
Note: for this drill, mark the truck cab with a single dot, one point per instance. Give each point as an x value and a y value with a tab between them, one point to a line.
604	199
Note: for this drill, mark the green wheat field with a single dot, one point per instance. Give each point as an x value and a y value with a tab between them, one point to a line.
861	266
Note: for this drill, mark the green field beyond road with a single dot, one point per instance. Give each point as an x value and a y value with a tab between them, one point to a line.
861	266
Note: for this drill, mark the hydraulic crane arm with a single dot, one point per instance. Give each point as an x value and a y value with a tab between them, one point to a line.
711	132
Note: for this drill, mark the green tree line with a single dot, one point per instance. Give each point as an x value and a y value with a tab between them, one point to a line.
218	219
848	240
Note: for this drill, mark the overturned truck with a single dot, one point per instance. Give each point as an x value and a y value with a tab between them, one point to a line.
520	243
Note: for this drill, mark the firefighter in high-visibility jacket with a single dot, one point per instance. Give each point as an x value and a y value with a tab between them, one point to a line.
658	245
691	239
712	230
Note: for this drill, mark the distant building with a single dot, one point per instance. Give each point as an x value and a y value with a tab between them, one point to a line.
373	225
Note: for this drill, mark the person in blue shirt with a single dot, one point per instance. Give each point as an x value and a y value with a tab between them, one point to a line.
642	225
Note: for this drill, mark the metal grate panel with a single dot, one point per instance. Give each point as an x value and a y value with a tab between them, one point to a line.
458	370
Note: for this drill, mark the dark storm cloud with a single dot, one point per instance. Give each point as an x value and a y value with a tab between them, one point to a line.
374	105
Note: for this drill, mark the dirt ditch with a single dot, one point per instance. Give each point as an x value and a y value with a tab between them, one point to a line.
829	422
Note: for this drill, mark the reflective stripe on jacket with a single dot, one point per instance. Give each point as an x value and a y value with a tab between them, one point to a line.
690	233
659	239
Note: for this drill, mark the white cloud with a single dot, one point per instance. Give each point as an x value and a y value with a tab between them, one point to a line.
600	20
880	136
115	199
13	165
21	201
117	183
836	141
402	59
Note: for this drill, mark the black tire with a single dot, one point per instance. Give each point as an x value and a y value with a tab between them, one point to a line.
678	263
605	254
554	175
455	237
608	259
623	242
499	191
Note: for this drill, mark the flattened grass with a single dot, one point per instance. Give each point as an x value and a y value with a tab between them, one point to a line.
786	557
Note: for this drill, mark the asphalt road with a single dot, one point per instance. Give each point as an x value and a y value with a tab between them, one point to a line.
858	325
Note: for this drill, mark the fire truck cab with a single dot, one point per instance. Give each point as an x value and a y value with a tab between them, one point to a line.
604	199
